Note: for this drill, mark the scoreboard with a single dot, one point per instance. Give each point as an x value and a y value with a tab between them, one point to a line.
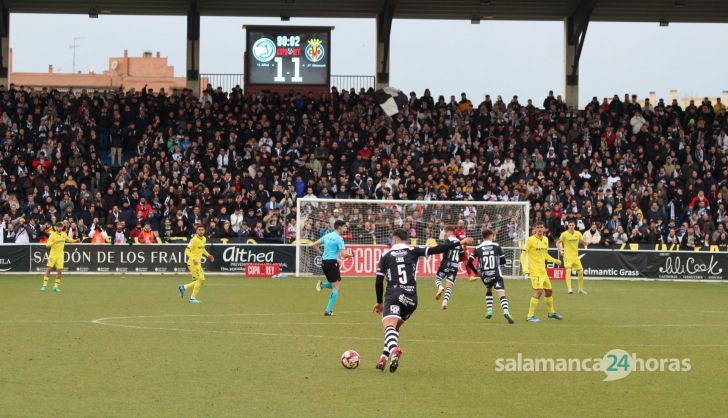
288	56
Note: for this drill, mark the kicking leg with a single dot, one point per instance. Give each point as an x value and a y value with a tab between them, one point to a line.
438	284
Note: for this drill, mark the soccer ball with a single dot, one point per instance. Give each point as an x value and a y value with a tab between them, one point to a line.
350	359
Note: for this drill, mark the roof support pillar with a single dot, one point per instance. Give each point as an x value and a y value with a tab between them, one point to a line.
4	45
384	32
193	48
575	27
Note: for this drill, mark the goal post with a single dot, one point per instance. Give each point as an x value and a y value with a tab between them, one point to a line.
370	223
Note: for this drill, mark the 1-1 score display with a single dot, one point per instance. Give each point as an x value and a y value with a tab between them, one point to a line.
280	56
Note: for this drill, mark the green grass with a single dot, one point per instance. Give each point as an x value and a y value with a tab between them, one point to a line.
261	347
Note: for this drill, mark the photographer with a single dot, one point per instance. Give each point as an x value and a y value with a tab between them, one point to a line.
96	234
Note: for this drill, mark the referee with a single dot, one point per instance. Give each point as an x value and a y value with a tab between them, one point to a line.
333	246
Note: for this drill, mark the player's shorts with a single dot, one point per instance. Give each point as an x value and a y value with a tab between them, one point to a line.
55	262
196	271
400	305
495	283
540	280
447	272
331	270
572	263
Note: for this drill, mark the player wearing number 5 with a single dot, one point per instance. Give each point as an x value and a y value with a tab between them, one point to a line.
399	266
568	245
333	246
194	252
533	259
55	244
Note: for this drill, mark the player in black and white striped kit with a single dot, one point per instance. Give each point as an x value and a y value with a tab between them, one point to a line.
490	257
448	270
399	266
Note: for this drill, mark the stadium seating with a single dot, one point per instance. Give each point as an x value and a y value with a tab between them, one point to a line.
627	171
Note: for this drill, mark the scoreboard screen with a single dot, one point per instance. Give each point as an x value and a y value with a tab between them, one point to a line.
288	55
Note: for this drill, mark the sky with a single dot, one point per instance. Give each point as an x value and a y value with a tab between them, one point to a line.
495	57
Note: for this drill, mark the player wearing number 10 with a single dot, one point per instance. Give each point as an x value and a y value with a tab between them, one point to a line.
399	266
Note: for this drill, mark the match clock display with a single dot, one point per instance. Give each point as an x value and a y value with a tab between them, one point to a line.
288	55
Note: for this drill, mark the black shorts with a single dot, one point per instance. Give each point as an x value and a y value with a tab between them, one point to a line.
399	305
495	283
331	270
448	273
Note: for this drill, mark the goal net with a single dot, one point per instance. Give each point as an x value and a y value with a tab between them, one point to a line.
370	223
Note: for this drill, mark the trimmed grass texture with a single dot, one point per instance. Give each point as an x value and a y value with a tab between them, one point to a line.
129	346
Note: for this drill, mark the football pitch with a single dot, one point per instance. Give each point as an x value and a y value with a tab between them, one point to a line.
129	346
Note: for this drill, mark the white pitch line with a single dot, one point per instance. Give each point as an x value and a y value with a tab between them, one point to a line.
102	321
427	324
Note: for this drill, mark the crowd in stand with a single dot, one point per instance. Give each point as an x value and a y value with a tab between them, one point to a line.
143	166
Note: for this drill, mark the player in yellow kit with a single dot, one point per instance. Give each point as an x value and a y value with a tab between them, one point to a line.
568	245
533	259
194	252
56	241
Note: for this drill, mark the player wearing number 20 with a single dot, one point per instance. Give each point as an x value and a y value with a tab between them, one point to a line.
399	266
490	257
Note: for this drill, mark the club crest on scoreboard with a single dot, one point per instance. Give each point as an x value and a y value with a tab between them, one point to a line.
315	50
264	50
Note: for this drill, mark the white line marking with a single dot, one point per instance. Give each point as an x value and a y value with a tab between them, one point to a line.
425	324
103	321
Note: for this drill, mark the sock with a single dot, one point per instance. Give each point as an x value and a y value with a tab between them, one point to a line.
327	285
532	307
550	303
196	289
57	282
438	282
489	301
190	285
332	300
504	304
391	335
45	280
448	292
567	277
581	279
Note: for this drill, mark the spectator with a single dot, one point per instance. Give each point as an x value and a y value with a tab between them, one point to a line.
97	235
593	236
620	237
146	235
121	235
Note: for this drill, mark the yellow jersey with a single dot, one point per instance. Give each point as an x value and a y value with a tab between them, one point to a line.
570	243
535	254
56	242
196	249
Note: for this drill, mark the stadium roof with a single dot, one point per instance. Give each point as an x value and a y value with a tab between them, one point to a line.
715	11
